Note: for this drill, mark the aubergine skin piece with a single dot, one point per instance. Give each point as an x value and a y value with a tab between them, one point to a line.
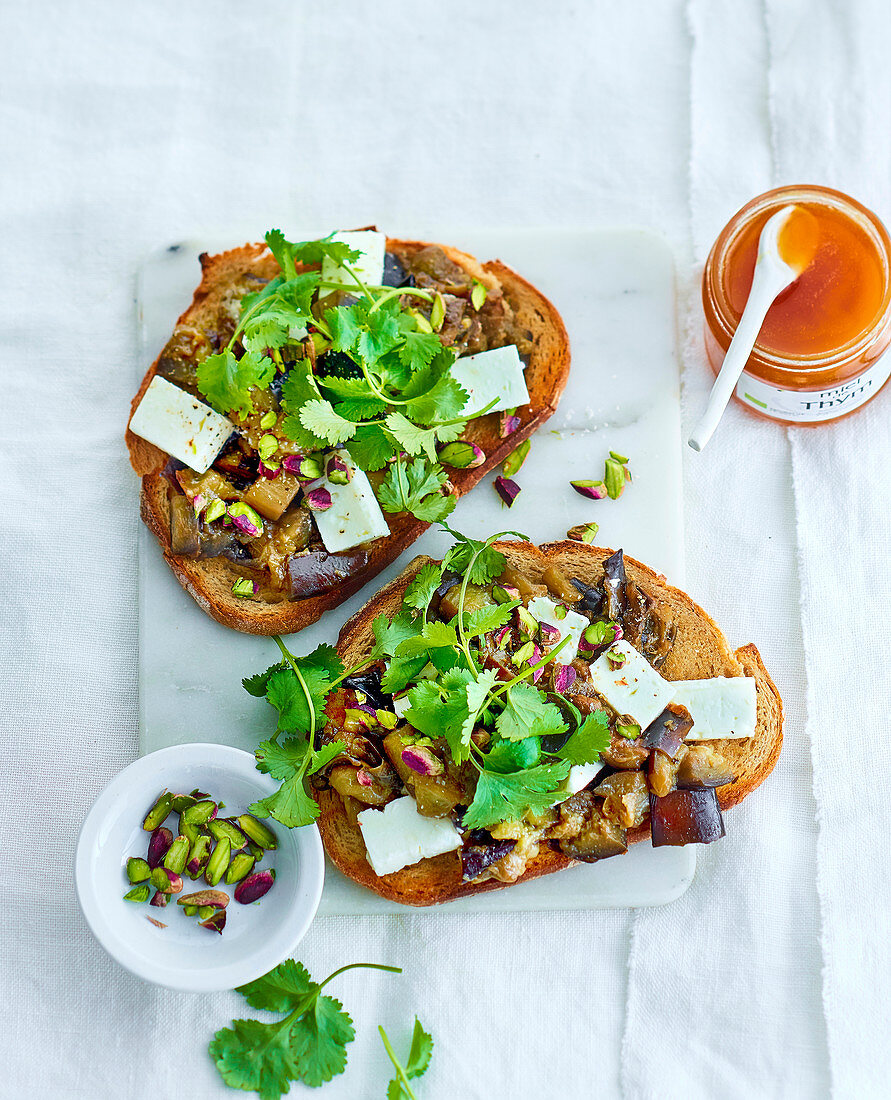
686	817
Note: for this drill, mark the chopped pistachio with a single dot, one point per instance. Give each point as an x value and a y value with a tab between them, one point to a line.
267	420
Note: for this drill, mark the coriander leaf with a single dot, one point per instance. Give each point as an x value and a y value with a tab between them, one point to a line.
344	386
266	331
513	756
401	672
298	292
416	1065
255	1057
323	756
434	509
527	714
289	254
361	408
489	617
489	562
423	378
441	715
226	382
421	1051
282	760
419	349
448	433
426	581
411	437
298	388
281	249
477	692
287	694
287	762
414	487
390	633
320	418
370	448
343	324
318	1042
508	797
380	331
433	635
445	400
588	741
256	685
281	990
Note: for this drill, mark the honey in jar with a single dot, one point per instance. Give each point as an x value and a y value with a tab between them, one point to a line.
819	354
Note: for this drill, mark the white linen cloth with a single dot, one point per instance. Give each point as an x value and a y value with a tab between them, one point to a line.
125	126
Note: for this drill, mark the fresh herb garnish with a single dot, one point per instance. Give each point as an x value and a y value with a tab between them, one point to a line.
393	395
455	697
308	1044
416	1064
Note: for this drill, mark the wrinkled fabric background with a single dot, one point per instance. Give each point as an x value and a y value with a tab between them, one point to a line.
124	126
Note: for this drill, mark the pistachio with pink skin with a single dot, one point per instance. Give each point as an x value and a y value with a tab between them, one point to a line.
217	898
337	471
160	899
536	656
363	778
505	593
254	887
509	424
548	632
502	637
564	678
507	489
166	881
245	518
593	490
306	468
318	500
160	841
216	923
422	760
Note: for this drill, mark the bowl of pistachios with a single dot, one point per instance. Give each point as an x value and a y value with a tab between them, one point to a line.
182	878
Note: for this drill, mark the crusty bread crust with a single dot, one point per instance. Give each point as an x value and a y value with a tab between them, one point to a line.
700	651
209	582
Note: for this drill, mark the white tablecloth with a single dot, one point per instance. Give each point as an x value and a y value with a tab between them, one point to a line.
123	126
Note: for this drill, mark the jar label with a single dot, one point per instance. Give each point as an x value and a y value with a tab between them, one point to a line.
813	406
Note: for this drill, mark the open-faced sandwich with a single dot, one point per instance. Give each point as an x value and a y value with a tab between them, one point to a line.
510	710
320	403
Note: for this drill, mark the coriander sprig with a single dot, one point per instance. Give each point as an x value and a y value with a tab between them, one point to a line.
416	1064
308	1044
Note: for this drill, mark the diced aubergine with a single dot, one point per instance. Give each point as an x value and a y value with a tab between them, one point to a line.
667	732
600	838
369	683
559	585
351	782
591	597
686	817
614	581
271	496
701	767
475	597
183	527
480	851
436	795
316	571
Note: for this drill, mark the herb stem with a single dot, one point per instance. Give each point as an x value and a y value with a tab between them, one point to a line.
367	966
398	291
312	710
396	1064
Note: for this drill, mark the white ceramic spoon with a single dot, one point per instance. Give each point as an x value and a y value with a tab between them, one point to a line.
772	275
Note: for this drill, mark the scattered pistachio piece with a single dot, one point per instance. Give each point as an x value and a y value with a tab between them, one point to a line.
218	862
138	870
138	893
267	420
583	532
515	460
258	832
437	313
478	295
158	812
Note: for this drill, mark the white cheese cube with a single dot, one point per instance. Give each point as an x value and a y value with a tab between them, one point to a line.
180	424
369	266
398	835
635	688
401	705
544	610
491	375
354	516
722	706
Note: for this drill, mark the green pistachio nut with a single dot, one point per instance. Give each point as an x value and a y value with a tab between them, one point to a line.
222	827
177	854
138	893
198	856
218	862
256	851
165	881
205	911
183	802
158	813
138	870
515	460
190	910
258	832
240	867
200	813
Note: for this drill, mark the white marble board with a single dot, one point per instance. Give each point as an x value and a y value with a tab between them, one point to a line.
615	290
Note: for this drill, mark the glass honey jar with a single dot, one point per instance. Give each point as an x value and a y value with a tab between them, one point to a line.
820	352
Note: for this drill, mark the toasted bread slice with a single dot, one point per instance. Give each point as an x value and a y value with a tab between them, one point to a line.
209	582
700	650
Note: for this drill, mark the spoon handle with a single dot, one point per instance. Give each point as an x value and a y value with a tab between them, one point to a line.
766	285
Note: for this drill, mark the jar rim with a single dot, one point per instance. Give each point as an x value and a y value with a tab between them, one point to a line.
778	196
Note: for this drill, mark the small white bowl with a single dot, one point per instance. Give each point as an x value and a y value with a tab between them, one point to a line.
183	955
